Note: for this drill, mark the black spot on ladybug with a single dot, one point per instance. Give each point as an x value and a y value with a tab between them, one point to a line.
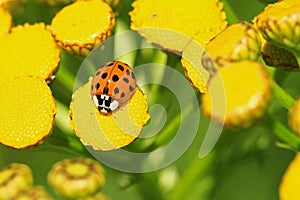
116	90
122	95
121	67
126	80
127	72
131	88
107	102
132	75
105	90
98	72
109	64
115	78
100	100
97	86
104	75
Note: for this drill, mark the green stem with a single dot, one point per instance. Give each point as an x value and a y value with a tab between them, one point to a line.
194	172
168	131
231	14
280	76
282	133
282	96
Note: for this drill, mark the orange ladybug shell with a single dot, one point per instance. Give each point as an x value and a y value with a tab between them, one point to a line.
115	79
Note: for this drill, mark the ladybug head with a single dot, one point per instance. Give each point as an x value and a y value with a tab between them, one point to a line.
105	103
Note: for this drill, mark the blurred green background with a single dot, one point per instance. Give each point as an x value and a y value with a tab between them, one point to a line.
245	164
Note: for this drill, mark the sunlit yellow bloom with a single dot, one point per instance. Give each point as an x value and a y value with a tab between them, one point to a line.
33	193
28	115
237	42
278	57
289	187
5	21
172	24
107	132
280	23
29	50
238	94
193	67
79	27
294	117
76	177
14	178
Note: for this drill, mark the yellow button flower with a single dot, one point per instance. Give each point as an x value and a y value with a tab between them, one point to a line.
29	50
237	42
107	132
280	23
28	115
76	177
238	94
79	27
33	193
14	178
294	117
289	187
5	21
172	24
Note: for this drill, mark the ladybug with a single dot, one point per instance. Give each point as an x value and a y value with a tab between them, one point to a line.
112	86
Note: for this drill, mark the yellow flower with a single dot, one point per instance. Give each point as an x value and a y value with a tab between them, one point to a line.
76	177
5	21
172	24
14	178
107	132
289	187
33	193
294	117
239	93
28	115
79	27
237	42
29	50
280	23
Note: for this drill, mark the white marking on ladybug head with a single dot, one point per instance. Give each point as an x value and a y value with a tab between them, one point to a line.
95	100
105	103
114	105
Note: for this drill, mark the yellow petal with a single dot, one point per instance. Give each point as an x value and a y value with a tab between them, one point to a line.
77	177
28	115
28	50
172	24
238	94
79	27
193	67
107	132
289	187
5	21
